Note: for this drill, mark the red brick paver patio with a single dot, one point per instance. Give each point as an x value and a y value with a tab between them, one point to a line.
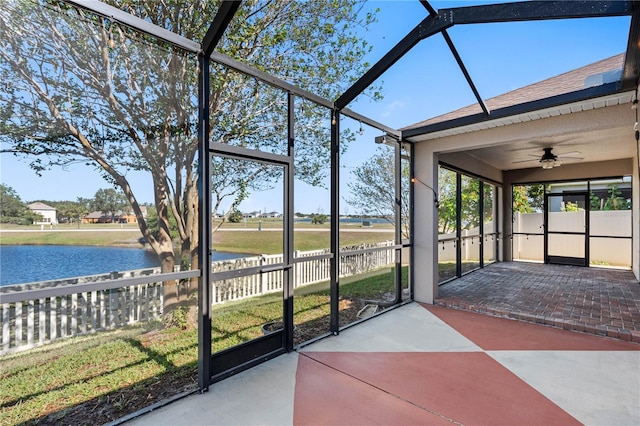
603	302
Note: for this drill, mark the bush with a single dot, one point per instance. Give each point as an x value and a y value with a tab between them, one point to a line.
319	219
235	217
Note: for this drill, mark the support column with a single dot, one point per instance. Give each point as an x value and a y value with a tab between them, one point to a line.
635	214
288	230
425	187
335	222
507	221
398	220
204	218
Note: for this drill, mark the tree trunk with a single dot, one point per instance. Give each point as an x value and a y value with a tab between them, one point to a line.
170	288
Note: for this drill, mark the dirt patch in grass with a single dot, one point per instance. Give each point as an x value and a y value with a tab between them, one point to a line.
117	404
311	329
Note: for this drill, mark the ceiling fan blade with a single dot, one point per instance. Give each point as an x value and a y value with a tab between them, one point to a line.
564	154
569	158
525	161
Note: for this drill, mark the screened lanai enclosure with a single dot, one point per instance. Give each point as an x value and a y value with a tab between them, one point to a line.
226	127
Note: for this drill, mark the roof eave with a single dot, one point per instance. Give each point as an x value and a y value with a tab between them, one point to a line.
514	110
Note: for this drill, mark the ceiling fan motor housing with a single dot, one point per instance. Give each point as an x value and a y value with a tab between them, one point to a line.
548	159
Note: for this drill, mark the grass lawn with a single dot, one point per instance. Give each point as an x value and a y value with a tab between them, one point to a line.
271	242
307	237
97	379
95	238
249	242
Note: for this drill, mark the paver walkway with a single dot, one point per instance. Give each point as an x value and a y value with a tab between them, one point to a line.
597	301
420	364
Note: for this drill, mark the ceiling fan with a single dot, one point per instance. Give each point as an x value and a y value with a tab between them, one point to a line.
549	160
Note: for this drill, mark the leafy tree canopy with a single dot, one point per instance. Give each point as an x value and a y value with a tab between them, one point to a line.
13	210
109	200
79	88
236	216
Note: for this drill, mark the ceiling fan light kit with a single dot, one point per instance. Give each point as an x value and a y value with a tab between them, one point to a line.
548	164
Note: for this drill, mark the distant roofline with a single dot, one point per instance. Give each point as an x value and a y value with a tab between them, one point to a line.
40	206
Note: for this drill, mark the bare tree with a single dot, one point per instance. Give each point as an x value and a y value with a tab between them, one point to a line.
373	189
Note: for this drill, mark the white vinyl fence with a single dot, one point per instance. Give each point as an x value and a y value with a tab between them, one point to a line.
34	317
40	313
309	267
615	251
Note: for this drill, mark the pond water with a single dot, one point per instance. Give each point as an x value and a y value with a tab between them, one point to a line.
23	264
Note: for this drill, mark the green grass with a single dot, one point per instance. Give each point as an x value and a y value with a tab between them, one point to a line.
111	369
306	237
54	378
95	238
269	242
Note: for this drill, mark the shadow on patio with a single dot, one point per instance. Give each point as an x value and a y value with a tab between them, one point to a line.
597	301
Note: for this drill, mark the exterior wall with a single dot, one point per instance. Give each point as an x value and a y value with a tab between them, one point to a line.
463	161
129	218
426	216
49	216
635	208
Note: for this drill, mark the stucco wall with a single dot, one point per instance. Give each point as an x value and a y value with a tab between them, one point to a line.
451	149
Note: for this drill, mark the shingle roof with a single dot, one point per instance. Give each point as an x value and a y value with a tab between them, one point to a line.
570	81
40	206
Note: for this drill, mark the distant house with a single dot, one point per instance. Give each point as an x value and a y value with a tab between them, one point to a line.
126	218
251	215
95	217
271	215
49	214
102	217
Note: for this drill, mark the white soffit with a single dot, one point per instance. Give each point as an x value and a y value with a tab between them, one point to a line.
601	102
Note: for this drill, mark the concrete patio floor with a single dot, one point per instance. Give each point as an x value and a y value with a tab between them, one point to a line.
597	301
424	364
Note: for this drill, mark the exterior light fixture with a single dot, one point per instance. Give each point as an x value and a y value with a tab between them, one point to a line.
361	130
435	194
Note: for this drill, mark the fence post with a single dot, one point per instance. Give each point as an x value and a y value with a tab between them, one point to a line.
53	321
42	321
18	326
63	316
113	307
30	322
296	270
83	313
261	275
74	314
6	334
92	310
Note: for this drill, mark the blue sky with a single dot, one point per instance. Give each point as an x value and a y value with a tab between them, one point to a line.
425	83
